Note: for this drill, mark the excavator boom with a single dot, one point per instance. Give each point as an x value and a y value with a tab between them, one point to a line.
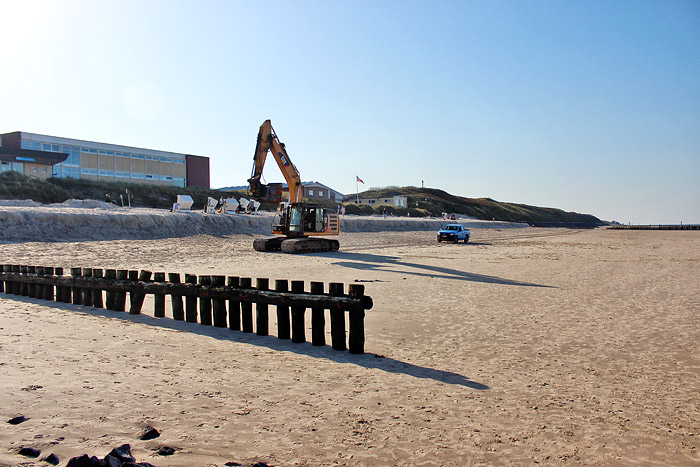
268	141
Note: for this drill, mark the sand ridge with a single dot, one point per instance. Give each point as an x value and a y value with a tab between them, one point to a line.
96	220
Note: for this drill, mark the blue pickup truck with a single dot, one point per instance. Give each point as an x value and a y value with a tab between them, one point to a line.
453	233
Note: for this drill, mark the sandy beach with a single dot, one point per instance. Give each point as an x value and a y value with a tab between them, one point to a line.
525	346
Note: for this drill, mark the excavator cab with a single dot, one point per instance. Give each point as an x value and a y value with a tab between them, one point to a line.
301	224
301	219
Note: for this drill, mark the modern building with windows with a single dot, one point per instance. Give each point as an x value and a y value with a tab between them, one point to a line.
106	162
396	201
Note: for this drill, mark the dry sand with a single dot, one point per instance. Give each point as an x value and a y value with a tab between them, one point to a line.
525	346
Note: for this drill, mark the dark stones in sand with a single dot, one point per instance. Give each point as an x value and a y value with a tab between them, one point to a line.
149	433
119	457
121	454
52	459
237	464
17	420
166	451
29	452
84	461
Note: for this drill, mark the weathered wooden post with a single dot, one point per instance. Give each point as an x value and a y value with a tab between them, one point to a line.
246	307
283	323
8	283
133	276
234	307
11	286
337	319
219	304
17	269
204	303
87	293
4	283
33	287
97	293
159	299
318	318
60	290
262	327
356	321
138	297
191	301
48	289
178	311
110	274
298	312
77	293
120	297
24	286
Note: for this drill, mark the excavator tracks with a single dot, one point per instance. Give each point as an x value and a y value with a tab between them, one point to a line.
295	245
309	245
268	244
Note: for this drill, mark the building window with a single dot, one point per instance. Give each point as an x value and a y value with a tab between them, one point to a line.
320	193
43	169
35	145
33	169
311	192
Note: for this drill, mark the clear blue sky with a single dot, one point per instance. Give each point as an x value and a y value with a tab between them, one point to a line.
585	106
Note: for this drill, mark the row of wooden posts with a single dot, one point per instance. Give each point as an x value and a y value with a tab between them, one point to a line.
84	286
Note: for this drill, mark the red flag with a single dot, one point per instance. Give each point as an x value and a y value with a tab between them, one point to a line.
359	179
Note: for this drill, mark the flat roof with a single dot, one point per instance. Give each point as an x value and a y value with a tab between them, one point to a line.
30	155
96	145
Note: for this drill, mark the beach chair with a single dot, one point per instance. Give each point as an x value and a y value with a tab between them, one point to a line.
183	204
230	205
210	208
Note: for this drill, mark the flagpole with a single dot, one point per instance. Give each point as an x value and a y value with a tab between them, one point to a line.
357	190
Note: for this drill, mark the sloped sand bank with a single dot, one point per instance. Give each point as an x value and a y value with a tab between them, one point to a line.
94	220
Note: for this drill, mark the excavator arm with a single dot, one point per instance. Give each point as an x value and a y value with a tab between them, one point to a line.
268	141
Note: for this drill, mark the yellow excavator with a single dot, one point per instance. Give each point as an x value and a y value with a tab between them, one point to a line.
299	224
